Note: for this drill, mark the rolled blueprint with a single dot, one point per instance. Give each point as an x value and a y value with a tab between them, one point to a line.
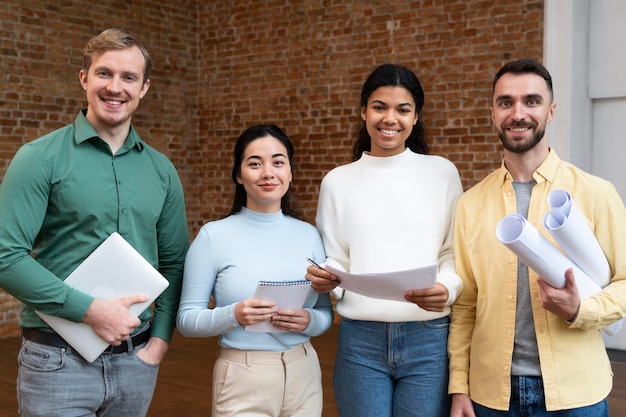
571	231
525	241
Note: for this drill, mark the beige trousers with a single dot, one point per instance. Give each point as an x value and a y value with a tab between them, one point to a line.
270	384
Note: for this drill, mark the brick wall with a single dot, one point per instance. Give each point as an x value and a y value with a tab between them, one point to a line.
301	65
221	66
40	57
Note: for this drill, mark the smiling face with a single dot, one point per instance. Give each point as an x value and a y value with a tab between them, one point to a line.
389	118
114	86
522	108
265	174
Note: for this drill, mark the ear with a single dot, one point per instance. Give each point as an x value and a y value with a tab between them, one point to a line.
363	114
239	180
82	77
144	88
417	116
551	112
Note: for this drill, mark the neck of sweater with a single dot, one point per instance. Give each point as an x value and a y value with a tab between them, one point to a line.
266	219
385	162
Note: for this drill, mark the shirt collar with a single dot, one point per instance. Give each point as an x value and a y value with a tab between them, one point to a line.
545	172
85	131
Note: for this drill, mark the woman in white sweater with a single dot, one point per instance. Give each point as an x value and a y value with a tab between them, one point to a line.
389	210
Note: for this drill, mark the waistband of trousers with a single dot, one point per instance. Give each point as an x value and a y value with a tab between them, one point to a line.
258	357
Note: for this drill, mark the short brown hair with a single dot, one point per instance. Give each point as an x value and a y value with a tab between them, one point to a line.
112	39
524	66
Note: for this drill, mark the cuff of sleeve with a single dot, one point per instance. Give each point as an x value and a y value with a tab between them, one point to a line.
575	315
458	383
337	293
76	305
453	283
163	329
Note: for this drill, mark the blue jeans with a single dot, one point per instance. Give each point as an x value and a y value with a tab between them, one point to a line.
528	400
392	369
56	382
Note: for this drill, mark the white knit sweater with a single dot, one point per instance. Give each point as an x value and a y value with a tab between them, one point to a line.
383	214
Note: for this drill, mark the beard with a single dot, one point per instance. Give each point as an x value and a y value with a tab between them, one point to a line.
521	147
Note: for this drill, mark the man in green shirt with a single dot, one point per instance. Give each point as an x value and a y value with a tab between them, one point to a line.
62	196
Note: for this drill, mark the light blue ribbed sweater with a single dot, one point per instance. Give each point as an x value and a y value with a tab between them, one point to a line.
228	258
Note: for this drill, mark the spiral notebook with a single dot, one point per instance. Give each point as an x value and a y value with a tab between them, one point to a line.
285	294
113	269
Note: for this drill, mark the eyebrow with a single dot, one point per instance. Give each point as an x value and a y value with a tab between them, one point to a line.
107	69
276	155
504	97
399	105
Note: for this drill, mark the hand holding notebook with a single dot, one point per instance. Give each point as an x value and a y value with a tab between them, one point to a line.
285	295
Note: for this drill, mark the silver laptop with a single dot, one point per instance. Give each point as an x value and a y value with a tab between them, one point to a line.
114	269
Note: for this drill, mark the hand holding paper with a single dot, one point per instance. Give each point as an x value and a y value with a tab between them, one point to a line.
322	281
430	299
387	285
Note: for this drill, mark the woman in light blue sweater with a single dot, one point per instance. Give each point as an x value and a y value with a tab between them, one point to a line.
268	373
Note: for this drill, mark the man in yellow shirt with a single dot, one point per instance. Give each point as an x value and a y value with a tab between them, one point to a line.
517	346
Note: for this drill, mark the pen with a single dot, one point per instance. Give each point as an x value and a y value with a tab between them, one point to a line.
312	262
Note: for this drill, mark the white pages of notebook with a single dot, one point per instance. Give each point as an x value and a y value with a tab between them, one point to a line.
285	294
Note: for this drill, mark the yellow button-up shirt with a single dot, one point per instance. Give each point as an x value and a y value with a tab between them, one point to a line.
575	367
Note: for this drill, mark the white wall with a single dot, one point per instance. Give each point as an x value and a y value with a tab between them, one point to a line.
585	51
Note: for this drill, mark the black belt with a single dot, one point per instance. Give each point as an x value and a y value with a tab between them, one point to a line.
46	337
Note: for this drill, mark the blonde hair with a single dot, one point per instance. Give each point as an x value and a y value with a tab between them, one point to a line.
112	39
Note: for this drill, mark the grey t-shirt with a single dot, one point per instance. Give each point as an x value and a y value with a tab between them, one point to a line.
525	353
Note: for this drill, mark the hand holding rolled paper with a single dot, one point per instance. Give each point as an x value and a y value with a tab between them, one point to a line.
569	228
525	241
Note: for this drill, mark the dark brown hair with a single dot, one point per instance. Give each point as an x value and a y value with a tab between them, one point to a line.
391	75
248	136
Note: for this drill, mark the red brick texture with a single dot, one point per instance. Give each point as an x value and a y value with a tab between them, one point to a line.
221	66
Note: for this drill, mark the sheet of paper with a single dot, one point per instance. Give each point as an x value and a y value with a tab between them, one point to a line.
285	294
387	285
525	241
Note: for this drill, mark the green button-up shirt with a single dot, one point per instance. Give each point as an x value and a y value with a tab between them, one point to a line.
64	194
